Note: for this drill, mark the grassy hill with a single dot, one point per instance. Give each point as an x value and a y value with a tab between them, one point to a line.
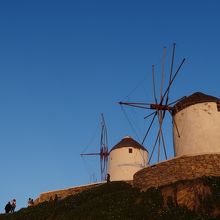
116	200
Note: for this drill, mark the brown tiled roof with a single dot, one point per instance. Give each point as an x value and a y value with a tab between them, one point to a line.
128	142
195	98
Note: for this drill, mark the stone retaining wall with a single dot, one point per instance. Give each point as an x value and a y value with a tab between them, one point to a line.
61	194
192	194
181	168
48	196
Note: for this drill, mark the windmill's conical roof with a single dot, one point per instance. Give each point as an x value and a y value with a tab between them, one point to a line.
197	97
128	142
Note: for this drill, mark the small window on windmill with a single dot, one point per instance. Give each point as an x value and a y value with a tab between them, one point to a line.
218	106
130	150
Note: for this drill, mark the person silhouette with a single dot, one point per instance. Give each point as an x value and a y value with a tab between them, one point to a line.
8	207
108	178
13	205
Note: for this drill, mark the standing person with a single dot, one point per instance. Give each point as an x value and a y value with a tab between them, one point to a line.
13	205
8	207
108	178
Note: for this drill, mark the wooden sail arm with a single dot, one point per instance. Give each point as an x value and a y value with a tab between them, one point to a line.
147	105
136	104
161	107
90	154
105	154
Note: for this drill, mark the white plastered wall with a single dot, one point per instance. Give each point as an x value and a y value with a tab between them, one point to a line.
123	165
199	129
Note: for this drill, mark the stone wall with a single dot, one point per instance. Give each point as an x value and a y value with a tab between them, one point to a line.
61	194
48	196
180	168
192	194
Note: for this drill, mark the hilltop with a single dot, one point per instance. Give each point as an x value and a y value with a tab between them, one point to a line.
119	200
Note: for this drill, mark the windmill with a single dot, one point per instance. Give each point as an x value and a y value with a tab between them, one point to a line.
103	152
160	107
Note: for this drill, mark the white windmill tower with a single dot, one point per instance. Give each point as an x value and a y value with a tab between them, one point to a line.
123	160
126	158
197	129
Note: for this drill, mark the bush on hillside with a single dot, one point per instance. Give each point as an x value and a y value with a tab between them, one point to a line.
115	200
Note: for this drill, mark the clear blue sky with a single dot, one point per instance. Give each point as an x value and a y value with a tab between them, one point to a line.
62	63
